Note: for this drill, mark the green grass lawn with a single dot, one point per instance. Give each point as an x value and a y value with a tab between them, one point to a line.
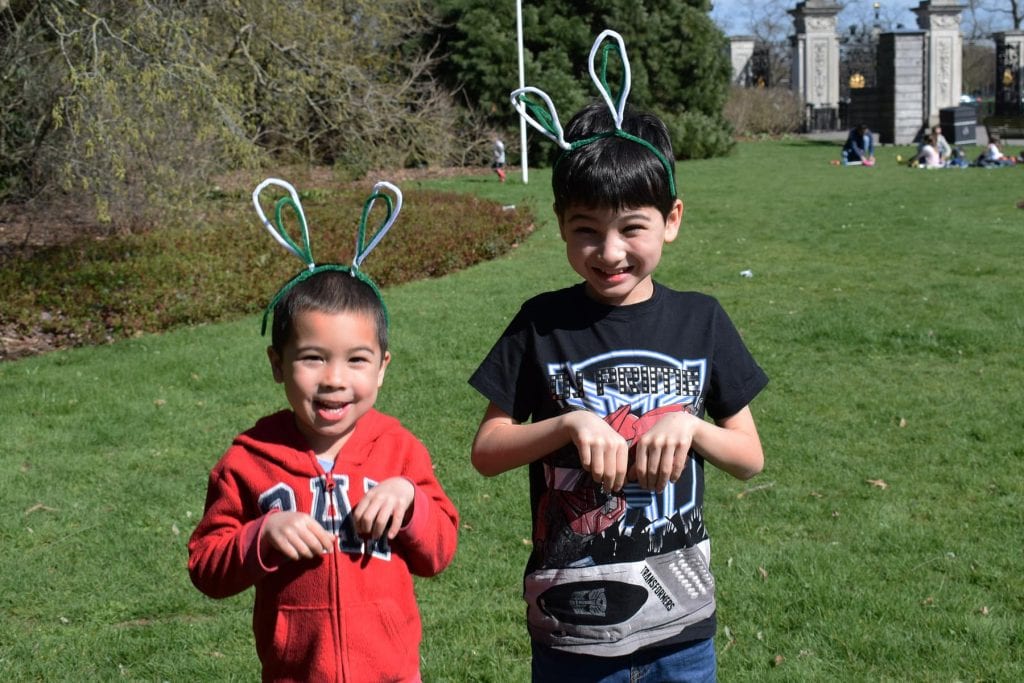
881	543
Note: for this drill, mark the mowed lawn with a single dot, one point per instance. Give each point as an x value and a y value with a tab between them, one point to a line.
881	543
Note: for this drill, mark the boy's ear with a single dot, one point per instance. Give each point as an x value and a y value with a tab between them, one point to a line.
673	220
275	364
384	361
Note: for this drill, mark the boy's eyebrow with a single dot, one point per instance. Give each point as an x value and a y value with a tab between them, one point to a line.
579	216
369	348
625	214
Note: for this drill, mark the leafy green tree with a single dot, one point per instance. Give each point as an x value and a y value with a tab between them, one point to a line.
679	60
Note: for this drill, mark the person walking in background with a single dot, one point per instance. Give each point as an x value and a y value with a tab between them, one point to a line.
498	158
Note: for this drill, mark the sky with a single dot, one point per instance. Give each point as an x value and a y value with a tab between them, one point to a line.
734	16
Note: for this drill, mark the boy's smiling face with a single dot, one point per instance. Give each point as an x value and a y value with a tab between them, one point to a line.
616	251
331	368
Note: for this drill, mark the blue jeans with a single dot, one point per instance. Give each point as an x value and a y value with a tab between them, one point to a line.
687	663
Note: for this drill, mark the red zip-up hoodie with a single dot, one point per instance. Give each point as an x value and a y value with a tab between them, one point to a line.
347	616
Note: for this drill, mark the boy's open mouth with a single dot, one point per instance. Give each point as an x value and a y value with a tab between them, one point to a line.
330	410
613	274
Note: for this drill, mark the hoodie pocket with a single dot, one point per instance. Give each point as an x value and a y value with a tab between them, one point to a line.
299	646
379	637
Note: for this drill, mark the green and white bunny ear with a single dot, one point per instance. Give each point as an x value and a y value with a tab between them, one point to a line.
544	119
304	251
616	105
394	207
278	232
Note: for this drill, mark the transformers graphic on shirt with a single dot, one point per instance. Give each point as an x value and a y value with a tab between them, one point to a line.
618	564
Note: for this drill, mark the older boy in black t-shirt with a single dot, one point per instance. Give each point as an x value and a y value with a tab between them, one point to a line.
602	390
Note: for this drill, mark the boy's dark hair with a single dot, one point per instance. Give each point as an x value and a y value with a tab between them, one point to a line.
329	291
612	171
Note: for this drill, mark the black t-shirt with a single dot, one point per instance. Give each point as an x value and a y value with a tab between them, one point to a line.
612	573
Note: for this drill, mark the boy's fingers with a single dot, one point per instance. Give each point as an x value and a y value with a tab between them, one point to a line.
666	464
326	538
614	459
381	524
394	525
308	543
584	451
640	465
372	519
305	539
592	461
655	465
678	465
286	549
603	468
621	466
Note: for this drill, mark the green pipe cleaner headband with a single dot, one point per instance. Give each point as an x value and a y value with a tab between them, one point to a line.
305	252
545	118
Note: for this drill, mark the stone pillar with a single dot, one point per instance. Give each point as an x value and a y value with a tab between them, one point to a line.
1009	73
901	86
741	50
815	74
944	54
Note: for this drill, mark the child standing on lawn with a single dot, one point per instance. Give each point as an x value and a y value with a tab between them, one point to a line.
328	508
498	158
601	389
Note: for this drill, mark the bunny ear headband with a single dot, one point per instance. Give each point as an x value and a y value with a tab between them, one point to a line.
544	117
305	253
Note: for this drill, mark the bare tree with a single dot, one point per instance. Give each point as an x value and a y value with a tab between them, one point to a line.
978	67
770	25
982	18
132	105
1008	9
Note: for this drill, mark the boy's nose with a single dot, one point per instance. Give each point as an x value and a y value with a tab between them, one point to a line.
335	376
611	250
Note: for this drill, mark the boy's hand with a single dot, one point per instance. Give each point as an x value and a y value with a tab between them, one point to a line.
296	535
662	450
603	451
384	508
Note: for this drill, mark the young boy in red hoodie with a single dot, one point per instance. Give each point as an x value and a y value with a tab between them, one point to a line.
329	508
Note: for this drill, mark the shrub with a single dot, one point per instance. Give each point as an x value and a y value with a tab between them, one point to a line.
95	291
696	135
764	111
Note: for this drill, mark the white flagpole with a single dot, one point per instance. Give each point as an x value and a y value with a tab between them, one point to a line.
522	83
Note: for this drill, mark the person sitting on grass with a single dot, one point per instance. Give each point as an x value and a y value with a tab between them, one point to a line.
328	508
928	155
993	157
859	148
941	145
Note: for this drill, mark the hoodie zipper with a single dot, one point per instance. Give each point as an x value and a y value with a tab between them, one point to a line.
334	583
